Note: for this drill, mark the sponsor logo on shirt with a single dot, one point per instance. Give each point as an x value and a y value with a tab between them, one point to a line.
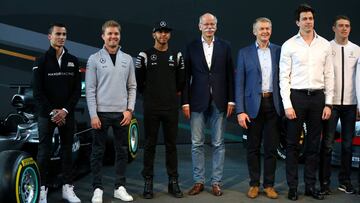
61	74
352	55
124	64
102	60
153	57
35	67
70	64
171	58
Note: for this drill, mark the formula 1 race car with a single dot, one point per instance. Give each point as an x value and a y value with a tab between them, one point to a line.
19	139
336	154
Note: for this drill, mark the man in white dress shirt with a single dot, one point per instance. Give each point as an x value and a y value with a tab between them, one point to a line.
345	55
306	87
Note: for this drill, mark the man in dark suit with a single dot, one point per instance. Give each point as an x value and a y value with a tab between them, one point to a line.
208	96
258	104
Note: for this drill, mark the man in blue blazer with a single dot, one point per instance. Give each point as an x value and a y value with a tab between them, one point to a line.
258	105
208	96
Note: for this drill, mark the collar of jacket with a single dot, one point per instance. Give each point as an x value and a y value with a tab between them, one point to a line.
52	51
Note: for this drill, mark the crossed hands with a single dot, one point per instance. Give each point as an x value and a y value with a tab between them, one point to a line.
58	116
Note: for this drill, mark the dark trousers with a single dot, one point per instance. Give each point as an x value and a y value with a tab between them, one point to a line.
111	119
308	108
46	130
265	125
347	116
169	122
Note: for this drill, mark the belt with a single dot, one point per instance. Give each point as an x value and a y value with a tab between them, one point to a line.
266	94
308	92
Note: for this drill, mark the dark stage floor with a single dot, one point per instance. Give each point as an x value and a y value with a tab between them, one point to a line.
235	181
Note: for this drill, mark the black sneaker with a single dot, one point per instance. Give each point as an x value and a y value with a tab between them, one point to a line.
325	190
347	188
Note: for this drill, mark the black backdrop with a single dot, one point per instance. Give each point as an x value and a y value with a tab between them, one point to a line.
84	20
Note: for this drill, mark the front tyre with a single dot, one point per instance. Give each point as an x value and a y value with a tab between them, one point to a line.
20	177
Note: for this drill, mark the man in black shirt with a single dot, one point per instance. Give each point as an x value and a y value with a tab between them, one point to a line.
56	89
160	75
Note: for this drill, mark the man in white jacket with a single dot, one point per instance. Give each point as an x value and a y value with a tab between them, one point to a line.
344	56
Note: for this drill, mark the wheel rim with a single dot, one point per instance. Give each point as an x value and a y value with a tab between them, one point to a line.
29	186
134	137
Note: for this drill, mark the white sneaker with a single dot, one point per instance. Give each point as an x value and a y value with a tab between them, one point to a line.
69	194
43	194
97	197
121	193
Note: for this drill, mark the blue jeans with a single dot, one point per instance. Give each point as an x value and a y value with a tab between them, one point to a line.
217	124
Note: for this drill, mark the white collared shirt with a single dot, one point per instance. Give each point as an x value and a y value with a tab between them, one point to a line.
264	55
208	50
304	66
344	89
60	58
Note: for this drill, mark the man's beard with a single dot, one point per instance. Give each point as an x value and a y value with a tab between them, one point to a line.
161	42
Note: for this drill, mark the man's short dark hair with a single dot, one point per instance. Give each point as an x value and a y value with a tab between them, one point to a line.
303	8
340	17
52	25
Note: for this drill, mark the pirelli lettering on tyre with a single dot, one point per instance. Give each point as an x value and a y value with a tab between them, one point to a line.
27	161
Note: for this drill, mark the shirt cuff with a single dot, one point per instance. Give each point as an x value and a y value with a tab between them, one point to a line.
185	105
287	104
65	110
231	103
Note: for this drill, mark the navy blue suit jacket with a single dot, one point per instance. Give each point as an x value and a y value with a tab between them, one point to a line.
248	81
200	80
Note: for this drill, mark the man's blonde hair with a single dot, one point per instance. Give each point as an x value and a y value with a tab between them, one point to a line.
110	23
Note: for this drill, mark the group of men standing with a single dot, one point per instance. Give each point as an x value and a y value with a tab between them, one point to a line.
311	81
297	79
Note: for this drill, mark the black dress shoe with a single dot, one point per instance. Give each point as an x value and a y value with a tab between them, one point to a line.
293	195
148	188
174	189
314	193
